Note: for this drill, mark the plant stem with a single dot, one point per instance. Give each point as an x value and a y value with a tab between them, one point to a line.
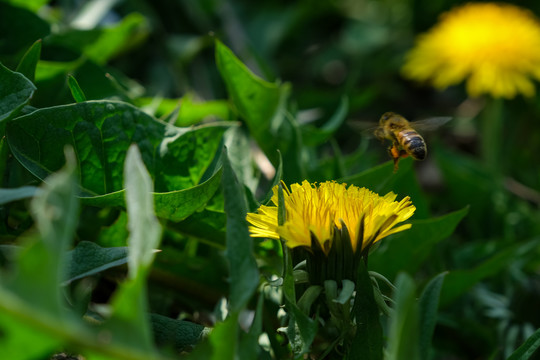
491	134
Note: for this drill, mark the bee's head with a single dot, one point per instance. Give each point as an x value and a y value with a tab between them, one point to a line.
387	116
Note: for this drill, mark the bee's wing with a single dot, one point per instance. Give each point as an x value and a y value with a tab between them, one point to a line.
365	128
430	123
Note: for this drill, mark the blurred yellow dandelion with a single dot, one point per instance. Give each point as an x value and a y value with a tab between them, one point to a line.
494	46
320	210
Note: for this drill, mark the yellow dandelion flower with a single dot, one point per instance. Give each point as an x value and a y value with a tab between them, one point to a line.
318	211
494	46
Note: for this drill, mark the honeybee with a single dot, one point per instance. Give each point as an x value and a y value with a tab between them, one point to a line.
406	141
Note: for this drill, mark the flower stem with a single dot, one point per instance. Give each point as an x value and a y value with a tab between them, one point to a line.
491	134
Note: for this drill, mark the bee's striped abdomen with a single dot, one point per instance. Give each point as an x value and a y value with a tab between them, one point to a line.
413	144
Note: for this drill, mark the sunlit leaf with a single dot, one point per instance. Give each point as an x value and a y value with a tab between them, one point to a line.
33	5
103	43
260	103
101	132
76	91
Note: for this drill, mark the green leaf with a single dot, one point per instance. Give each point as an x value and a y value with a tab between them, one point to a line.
181	335
244	274
403	334
129	304
15	92
239	150
313	136
144	227
89	259
27	65
174	205
528	349
381	178
415	243
17	334
260	103
190	111
368	341
101	132
458	282
222	343
249	343
38	271
428	304
23	192
76	91
32	5
55	210
102	44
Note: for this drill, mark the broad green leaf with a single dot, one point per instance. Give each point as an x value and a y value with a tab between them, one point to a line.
76	91
458	282
15	92
27	65
181	335
313	136
428	304
101	132
528	349
260	103
20	28
368	341
23	192
89	259
173	205
403	334
415	243
244	274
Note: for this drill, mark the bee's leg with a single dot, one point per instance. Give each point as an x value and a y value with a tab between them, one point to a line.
395	154
403	154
